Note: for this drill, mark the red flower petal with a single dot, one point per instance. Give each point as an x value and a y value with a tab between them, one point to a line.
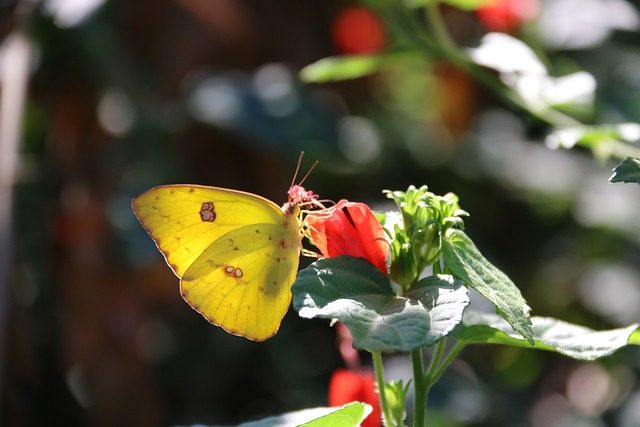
349	229
507	15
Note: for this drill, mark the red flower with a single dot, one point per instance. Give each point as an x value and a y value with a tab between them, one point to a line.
349	229
507	15
348	386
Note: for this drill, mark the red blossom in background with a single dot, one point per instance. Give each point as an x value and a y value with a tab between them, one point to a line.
358	30
348	386
355	383
507	15
349	229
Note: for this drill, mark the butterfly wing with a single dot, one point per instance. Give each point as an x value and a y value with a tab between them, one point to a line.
242	281
236	253
184	220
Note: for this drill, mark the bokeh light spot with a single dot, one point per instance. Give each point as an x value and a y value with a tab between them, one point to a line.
215	101
612	291
358	140
69	13
590	389
116	112
275	87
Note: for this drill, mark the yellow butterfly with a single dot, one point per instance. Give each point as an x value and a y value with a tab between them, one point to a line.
236	253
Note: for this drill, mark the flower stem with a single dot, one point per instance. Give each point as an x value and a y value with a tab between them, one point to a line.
421	389
384	405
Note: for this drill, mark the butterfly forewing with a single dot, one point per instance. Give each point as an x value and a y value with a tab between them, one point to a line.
183	220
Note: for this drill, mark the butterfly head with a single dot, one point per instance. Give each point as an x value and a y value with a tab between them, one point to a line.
298	196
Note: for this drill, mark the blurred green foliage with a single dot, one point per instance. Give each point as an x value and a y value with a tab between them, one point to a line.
135	94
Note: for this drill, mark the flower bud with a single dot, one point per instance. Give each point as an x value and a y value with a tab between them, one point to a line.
349	229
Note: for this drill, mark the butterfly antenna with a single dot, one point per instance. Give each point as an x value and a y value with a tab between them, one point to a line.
295	175
313	166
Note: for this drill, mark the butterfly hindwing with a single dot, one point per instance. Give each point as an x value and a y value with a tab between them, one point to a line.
242	280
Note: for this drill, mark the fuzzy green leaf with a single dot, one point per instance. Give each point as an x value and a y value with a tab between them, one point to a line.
466	263
356	293
549	334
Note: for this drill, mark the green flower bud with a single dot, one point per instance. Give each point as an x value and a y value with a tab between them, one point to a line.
396	393
403	269
417	238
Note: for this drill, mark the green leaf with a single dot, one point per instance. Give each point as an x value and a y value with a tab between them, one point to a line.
337	68
627	171
350	415
635	337
605	141
549	334
461	4
346	67
466	4
356	293
466	263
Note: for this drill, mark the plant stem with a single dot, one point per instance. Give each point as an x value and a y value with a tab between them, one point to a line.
422	381
435	375
421	389
435	360
433	365
384	405
450	51
440	33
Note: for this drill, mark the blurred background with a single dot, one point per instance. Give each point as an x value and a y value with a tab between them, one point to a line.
125	95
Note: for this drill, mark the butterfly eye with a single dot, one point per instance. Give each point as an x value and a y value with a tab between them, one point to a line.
207	212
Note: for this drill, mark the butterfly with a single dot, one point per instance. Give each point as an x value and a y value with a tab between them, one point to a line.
236	253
